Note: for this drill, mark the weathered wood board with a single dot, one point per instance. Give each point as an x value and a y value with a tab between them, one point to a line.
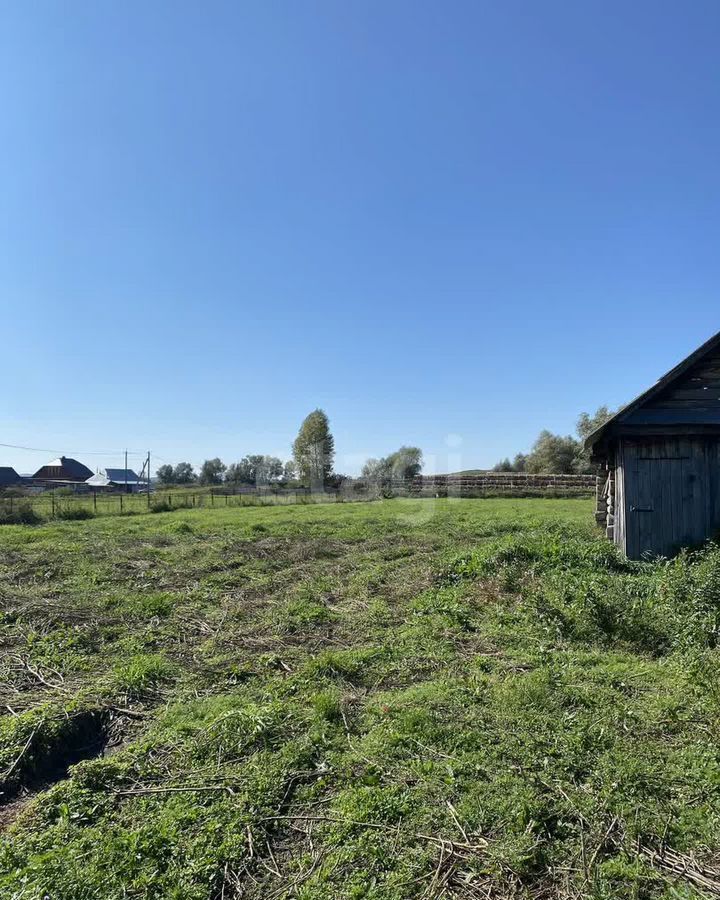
667	494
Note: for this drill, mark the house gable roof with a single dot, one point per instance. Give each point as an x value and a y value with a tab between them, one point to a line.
689	394
8	475
69	468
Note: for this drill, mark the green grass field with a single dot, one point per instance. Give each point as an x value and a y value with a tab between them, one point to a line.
400	699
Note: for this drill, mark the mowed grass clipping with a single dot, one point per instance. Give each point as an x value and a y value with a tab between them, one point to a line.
400	699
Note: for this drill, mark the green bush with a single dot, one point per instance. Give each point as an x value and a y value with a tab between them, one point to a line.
73	513
19	512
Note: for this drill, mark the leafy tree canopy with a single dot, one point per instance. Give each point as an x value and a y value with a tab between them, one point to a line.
402	465
184	474
553	454
165	474
586	423
373	469
314	449
503	465
255	469
405	463
557	454
212	471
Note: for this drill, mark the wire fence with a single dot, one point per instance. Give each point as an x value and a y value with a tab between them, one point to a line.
63	504
54	505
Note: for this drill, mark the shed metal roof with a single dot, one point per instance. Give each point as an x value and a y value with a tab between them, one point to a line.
106	477
119	475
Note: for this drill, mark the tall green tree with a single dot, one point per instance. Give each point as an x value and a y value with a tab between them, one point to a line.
504	465
164	474
184	474
265	468
255	468
373	469
553	454
212	471
314	450
402	465
587	423
233	474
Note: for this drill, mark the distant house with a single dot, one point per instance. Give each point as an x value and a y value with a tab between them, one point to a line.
62	471
9	477
661	455
116	480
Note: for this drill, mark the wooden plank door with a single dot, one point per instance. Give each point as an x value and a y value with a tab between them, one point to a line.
665	501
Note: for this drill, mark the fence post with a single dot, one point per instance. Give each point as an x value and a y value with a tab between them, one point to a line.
212	498
120	502
95	501
52	501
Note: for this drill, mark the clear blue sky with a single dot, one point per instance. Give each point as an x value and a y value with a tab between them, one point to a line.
431	219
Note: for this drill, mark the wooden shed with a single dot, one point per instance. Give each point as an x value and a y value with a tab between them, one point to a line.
660	455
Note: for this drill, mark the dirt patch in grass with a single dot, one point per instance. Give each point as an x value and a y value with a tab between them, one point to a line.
51	747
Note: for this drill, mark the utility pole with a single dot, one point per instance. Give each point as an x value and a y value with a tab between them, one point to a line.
148	477
126	471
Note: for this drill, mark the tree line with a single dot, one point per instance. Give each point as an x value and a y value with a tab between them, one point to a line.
252	469
556	454
402	465
313	458
312	464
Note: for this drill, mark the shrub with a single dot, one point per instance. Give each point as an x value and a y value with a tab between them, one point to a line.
12	492
73	513
18	512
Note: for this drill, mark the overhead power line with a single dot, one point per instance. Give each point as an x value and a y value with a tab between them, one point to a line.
142	453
